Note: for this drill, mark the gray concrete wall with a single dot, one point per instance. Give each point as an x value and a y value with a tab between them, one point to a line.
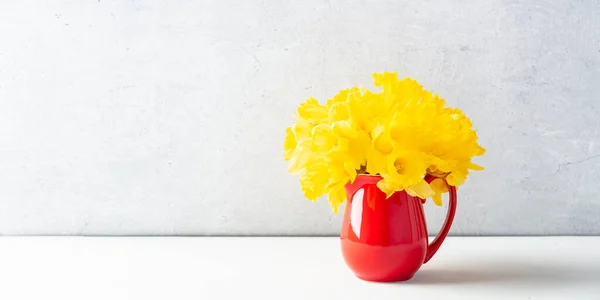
167	117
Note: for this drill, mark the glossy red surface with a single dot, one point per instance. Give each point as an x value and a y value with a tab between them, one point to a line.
386	239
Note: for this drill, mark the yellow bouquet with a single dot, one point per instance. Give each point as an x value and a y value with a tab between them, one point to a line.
400	133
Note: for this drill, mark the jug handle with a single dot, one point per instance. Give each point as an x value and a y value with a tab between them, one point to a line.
439	239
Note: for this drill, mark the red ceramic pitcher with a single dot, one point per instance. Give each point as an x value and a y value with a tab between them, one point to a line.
386	239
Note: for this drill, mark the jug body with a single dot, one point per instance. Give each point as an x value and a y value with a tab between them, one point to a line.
382	239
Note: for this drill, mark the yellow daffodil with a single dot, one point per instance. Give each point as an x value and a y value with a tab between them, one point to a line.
439	187
400	133
404	171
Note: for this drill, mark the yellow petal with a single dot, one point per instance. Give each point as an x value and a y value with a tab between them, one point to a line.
376	162
382	142
314	178
338	112
437	199
475	167
344	129
299	159
340	97
289	143
312	110
387	187
337	196
439	186
323	138
421	190
456	178
358	147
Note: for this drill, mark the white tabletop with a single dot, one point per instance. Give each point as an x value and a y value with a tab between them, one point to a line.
289	268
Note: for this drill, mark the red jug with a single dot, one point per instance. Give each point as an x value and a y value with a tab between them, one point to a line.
386	240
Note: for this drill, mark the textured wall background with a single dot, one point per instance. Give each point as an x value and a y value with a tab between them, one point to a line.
162	117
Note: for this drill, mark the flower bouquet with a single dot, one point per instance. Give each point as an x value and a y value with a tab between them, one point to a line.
386	150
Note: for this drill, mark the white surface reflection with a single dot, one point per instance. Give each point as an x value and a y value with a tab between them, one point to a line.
356	212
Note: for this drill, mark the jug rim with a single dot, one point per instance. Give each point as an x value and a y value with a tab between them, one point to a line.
368	178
